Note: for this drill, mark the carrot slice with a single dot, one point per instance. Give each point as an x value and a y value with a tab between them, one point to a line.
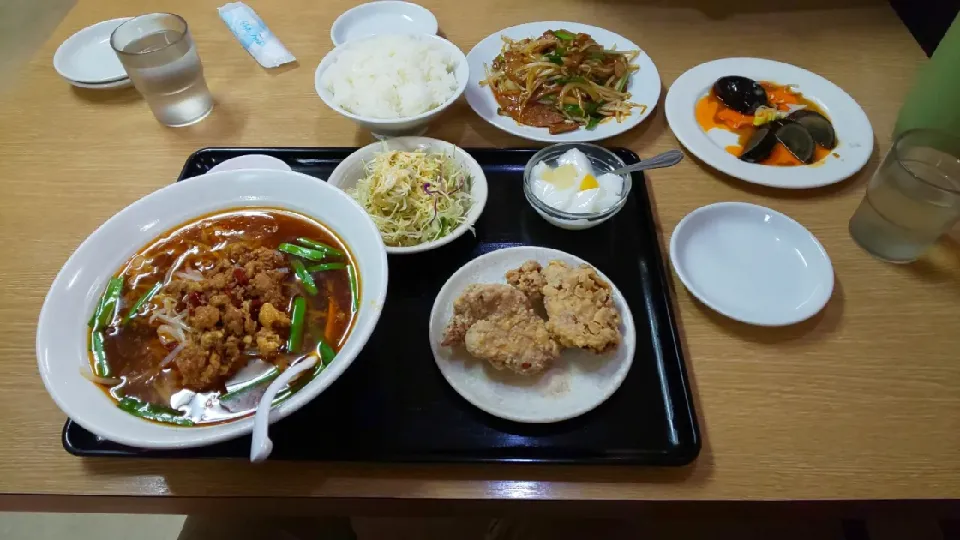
734	119
331	316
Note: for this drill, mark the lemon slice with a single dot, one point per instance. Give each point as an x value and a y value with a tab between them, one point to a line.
562	177
589	182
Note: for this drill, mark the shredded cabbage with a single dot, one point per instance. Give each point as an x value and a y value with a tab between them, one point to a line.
413	197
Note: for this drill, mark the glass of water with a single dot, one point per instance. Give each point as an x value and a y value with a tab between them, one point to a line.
912	199
159	55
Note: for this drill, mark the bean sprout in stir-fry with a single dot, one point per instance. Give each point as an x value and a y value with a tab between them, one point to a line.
562	81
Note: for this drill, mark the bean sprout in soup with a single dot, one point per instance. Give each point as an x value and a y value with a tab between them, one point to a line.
192	329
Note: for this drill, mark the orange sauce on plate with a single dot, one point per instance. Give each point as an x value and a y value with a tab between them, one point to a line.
711	113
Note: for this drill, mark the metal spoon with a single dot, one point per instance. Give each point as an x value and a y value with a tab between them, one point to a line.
659	161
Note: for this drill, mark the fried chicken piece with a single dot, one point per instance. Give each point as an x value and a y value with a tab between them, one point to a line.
529	280
497	324
580	308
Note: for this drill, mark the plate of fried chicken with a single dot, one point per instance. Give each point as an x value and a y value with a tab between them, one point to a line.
532	334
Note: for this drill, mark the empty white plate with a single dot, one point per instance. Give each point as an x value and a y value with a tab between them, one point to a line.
122	83
751	263
854	132
86	57
386	16
251	161
576	383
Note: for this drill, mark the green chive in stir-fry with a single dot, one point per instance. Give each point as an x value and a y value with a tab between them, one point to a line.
561	81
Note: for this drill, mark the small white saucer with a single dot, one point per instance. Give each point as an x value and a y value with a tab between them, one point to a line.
251	161
122	83
751	263
86	57
576	383
385	16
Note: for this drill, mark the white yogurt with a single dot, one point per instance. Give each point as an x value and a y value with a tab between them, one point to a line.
573	186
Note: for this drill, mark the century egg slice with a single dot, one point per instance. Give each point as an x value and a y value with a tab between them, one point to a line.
797	140
760	144
818	126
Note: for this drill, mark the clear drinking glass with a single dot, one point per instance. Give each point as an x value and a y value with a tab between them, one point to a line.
912	199
159	55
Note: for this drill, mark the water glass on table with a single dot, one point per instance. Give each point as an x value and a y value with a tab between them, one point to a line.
912	199
158	53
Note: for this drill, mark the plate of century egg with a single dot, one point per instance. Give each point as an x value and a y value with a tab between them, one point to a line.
769	123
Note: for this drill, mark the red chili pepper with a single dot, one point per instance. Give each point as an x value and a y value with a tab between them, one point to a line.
234	296
241	276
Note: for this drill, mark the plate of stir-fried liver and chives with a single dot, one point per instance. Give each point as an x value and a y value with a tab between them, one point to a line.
561	81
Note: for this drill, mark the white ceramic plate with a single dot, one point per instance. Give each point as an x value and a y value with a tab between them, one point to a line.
386	16
854	132
122	83
250	161
644	84
86	57
577	383
751	263
62	331
350	170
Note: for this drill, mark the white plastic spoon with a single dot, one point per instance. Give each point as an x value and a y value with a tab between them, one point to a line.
261	445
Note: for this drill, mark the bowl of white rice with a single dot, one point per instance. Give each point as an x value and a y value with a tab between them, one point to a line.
392	84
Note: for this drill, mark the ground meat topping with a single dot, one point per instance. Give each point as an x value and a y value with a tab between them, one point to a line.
235	310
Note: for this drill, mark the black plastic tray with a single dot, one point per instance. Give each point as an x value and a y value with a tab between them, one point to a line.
394	405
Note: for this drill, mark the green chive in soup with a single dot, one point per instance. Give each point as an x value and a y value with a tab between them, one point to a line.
192	329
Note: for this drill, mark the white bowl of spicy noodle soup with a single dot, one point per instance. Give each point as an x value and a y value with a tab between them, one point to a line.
201	347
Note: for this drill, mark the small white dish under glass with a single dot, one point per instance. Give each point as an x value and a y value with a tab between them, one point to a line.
87	58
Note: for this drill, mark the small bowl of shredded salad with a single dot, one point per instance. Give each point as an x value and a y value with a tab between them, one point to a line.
421	193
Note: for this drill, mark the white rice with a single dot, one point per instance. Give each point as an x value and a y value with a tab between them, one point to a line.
391	76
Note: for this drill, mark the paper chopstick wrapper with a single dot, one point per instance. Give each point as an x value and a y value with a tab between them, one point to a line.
254	35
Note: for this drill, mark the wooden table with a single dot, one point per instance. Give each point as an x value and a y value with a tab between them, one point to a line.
861	402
